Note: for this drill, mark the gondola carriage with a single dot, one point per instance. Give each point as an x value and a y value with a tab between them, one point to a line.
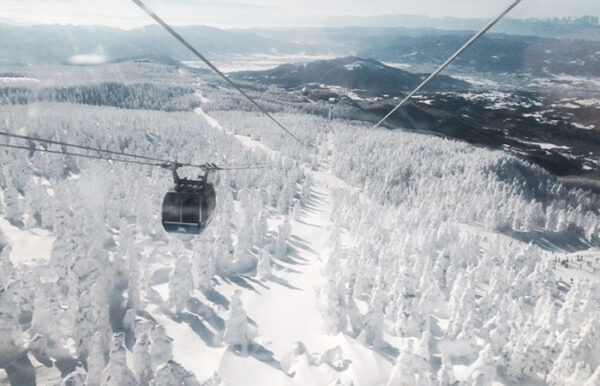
189	206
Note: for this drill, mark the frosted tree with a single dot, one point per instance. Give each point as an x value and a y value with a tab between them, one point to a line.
594	379
582	373
96	360
484	368
75	378
332	306
422	348
285	229
181	284
100	299
134	282
281	244
161	349
499	334
203	265
372	331
83	325
12	210
142	362
306	190
116	373
173	374
263	269
223	251
409	369
7	270
10	329
42	319
243	260
260	229
445	375
563	366
281	247
237	333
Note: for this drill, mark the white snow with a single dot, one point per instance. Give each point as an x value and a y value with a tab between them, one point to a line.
28	247
201	96
377	257
88	59
17	79
285	308
544	145
477	81
589	102
258	62
401	66
581	126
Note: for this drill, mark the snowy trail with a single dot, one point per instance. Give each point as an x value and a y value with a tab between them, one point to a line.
284	309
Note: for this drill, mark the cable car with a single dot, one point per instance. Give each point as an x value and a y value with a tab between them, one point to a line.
189	206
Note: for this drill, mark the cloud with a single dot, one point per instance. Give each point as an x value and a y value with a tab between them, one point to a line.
88	59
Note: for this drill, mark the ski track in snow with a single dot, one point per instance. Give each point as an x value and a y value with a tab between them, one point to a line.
284	309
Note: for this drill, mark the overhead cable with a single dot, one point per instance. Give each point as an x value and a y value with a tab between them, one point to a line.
159	163
177	36
447	62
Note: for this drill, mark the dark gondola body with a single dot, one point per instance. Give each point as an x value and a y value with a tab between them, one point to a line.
189	206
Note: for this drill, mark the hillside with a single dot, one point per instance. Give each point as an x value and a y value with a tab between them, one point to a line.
350	72
394	259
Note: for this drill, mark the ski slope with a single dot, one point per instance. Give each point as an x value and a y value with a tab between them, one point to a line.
362	256
292	346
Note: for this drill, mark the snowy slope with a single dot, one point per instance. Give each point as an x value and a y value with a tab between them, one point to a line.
395	260
285	309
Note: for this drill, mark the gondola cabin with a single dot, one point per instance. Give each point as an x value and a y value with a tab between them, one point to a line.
189	206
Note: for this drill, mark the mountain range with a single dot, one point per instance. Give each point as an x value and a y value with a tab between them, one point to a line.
350	72
421	49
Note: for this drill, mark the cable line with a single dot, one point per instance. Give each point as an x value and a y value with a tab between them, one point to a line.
157	161
48	141
5	145
161	163
177	36
447	62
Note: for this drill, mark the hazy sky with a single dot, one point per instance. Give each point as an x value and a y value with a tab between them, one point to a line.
242	13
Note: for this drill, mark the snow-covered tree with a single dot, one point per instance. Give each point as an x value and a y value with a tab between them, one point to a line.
181	284
96	360
116	372
445	375
173	374
75	378
142	362
483	369
203	265
372	331
263	268
409	369
161	349
238	332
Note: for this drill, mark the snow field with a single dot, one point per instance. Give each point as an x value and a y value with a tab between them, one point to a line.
401	260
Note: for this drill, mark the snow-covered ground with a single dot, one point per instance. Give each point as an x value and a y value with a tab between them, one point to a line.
29	247
399	259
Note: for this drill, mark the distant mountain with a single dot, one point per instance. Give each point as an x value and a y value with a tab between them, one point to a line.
421	49
425	48
583	28
55	44
351	72
162	59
